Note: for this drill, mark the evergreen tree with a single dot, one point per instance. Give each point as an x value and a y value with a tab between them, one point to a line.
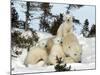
76	21
14	16
44	20
45	7
61	67
74	6
22	42
85	29
57	22
92	32
29	7
27	15
44	24
16	38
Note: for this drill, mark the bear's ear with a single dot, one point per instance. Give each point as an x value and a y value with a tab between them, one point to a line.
37	44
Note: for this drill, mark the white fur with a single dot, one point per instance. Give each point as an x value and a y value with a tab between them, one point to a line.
50	43
56	51
72	47
66	26
37	53
69	60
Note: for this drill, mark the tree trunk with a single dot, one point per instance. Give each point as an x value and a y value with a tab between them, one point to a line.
27	16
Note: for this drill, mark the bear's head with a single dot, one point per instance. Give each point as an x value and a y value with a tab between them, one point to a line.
42	43
58	40
76	55
68	18
68	23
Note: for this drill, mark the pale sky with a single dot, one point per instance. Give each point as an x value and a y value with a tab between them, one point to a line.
86	12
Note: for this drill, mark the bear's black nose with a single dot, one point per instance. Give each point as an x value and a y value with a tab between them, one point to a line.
61	42
67	19
79	61
46	46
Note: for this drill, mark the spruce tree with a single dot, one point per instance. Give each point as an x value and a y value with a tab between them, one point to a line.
14	16
16	38
56	23
85	29
92	32
27	15
44	23
61	67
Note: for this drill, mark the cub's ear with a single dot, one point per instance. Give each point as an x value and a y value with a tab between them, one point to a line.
37	44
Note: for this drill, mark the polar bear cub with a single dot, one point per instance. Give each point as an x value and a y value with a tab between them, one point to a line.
37	54
72	47
69	60
66	26
50	43
56	51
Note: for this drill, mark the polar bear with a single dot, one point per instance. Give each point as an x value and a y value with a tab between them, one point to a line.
72	47
50	43
37	54
66	26
56	51
69	60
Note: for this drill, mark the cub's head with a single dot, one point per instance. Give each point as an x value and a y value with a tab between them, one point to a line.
58	40
42	43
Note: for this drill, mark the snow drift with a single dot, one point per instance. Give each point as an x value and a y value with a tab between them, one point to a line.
88	57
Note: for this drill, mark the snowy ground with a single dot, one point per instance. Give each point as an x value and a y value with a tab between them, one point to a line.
88	58
75	66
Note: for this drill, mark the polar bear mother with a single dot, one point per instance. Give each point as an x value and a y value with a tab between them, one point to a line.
71	45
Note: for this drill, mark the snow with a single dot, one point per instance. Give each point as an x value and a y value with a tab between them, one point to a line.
88	44
18	61
88	57
43	35
26	34
90	47
21	11
75	66
16	29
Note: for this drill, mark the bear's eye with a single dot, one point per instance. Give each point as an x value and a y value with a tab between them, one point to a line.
68	31
69	47
75	54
